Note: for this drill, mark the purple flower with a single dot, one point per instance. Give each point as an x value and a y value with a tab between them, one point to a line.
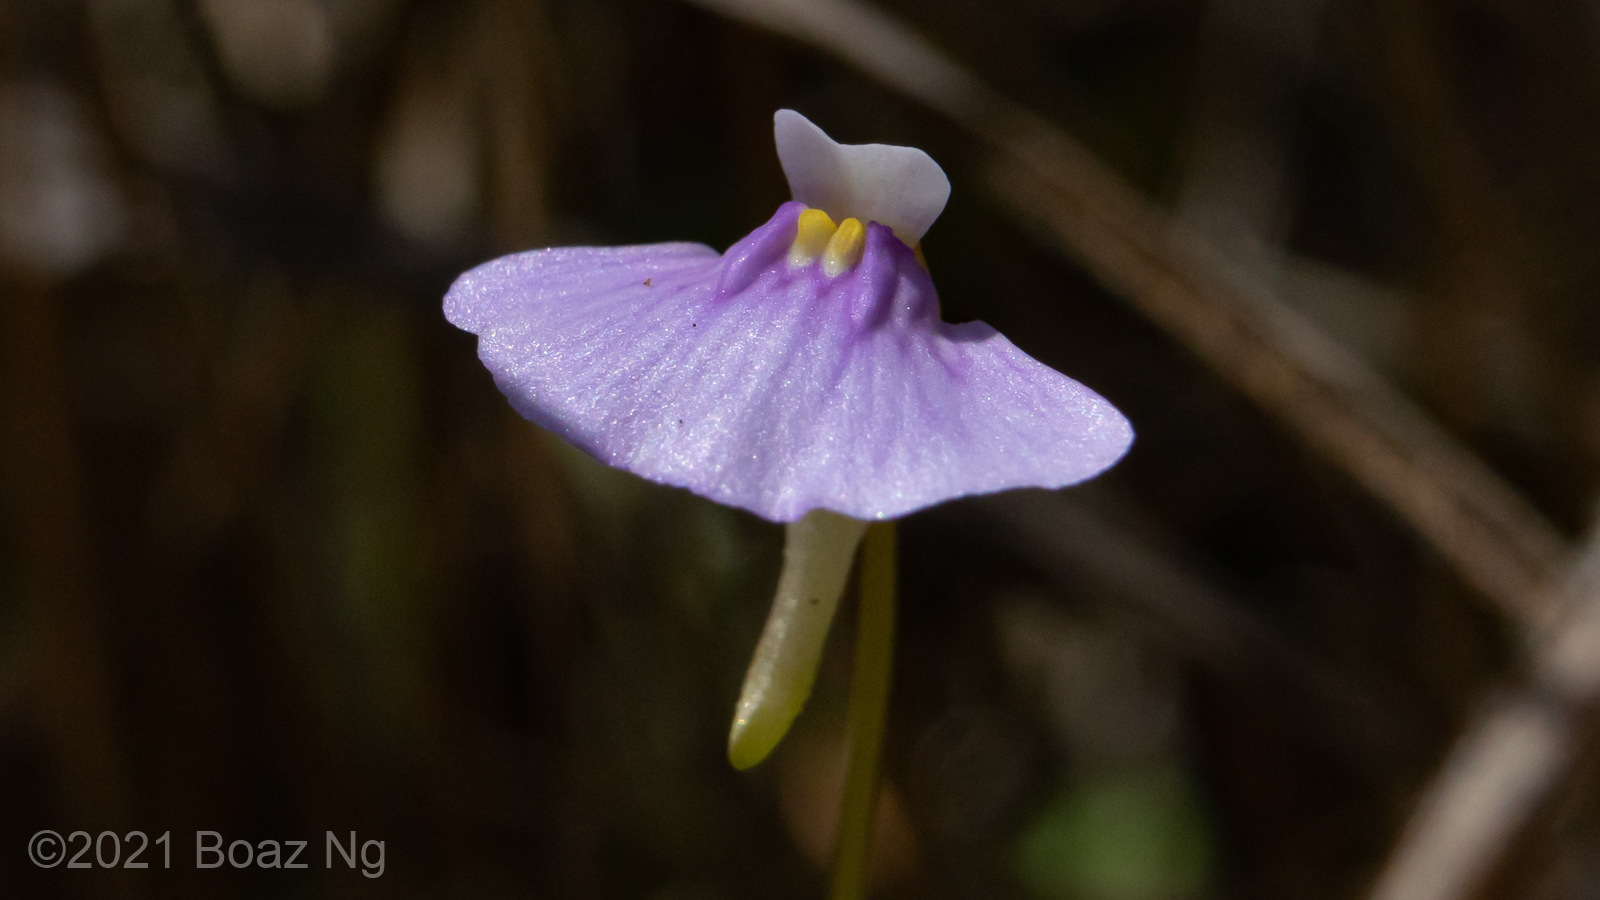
806	368
804	375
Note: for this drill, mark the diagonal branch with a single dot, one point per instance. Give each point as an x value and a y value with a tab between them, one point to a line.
1508	759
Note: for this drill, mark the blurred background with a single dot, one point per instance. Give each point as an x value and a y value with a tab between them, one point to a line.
277	558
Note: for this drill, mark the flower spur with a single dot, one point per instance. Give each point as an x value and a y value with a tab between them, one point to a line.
804	375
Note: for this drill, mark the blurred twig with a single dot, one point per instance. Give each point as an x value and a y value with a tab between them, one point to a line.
1507	761
1338	404
1496	774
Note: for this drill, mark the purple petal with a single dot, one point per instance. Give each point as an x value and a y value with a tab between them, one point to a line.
778	389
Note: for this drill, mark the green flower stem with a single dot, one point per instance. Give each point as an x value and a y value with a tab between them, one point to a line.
869	705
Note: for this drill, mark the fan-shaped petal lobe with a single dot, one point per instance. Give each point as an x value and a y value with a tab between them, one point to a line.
773	387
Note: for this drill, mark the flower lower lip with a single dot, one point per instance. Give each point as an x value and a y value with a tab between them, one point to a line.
799	390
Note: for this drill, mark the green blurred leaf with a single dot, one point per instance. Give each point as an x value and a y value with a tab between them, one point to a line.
1120	835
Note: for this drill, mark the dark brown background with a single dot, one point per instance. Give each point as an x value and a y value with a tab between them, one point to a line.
278	559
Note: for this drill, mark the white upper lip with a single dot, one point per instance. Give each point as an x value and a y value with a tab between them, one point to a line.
901	187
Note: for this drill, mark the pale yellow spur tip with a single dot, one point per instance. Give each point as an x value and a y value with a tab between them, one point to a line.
748	746
817	554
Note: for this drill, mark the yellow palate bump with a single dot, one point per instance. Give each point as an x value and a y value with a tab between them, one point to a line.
811	236
844	248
